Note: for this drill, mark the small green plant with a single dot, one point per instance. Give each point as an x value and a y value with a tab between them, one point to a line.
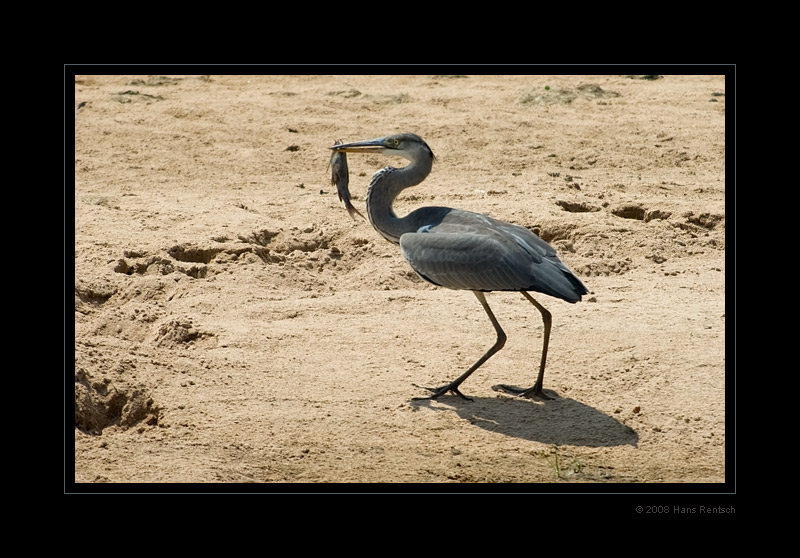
574	467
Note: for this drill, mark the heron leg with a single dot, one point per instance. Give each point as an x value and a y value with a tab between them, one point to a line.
536	389
501	340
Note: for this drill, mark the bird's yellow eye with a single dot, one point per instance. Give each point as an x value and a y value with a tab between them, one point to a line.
396	142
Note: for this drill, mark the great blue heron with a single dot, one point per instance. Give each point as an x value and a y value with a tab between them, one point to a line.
463	250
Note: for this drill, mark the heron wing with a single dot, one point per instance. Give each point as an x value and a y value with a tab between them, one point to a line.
471	251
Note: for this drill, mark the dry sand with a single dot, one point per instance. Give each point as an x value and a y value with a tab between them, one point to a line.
233	324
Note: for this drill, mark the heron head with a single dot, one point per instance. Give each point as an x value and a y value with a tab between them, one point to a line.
406	145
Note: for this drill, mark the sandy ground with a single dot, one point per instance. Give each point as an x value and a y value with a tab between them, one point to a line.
233	324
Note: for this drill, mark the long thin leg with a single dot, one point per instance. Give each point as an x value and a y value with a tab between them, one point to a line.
536	390
501	340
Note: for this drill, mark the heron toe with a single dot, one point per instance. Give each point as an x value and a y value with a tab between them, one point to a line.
440	391
530	393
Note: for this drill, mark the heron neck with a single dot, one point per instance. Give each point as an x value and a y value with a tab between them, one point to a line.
385	187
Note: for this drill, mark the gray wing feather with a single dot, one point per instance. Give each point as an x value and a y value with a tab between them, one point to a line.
471	251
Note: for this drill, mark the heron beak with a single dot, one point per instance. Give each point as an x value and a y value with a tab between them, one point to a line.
369	146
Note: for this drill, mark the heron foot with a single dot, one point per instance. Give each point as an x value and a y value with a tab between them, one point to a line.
440	391
535	391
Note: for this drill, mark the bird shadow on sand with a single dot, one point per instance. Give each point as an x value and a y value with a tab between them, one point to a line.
561	421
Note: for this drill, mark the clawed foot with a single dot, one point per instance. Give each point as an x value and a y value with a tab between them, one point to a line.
440	391
535	391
